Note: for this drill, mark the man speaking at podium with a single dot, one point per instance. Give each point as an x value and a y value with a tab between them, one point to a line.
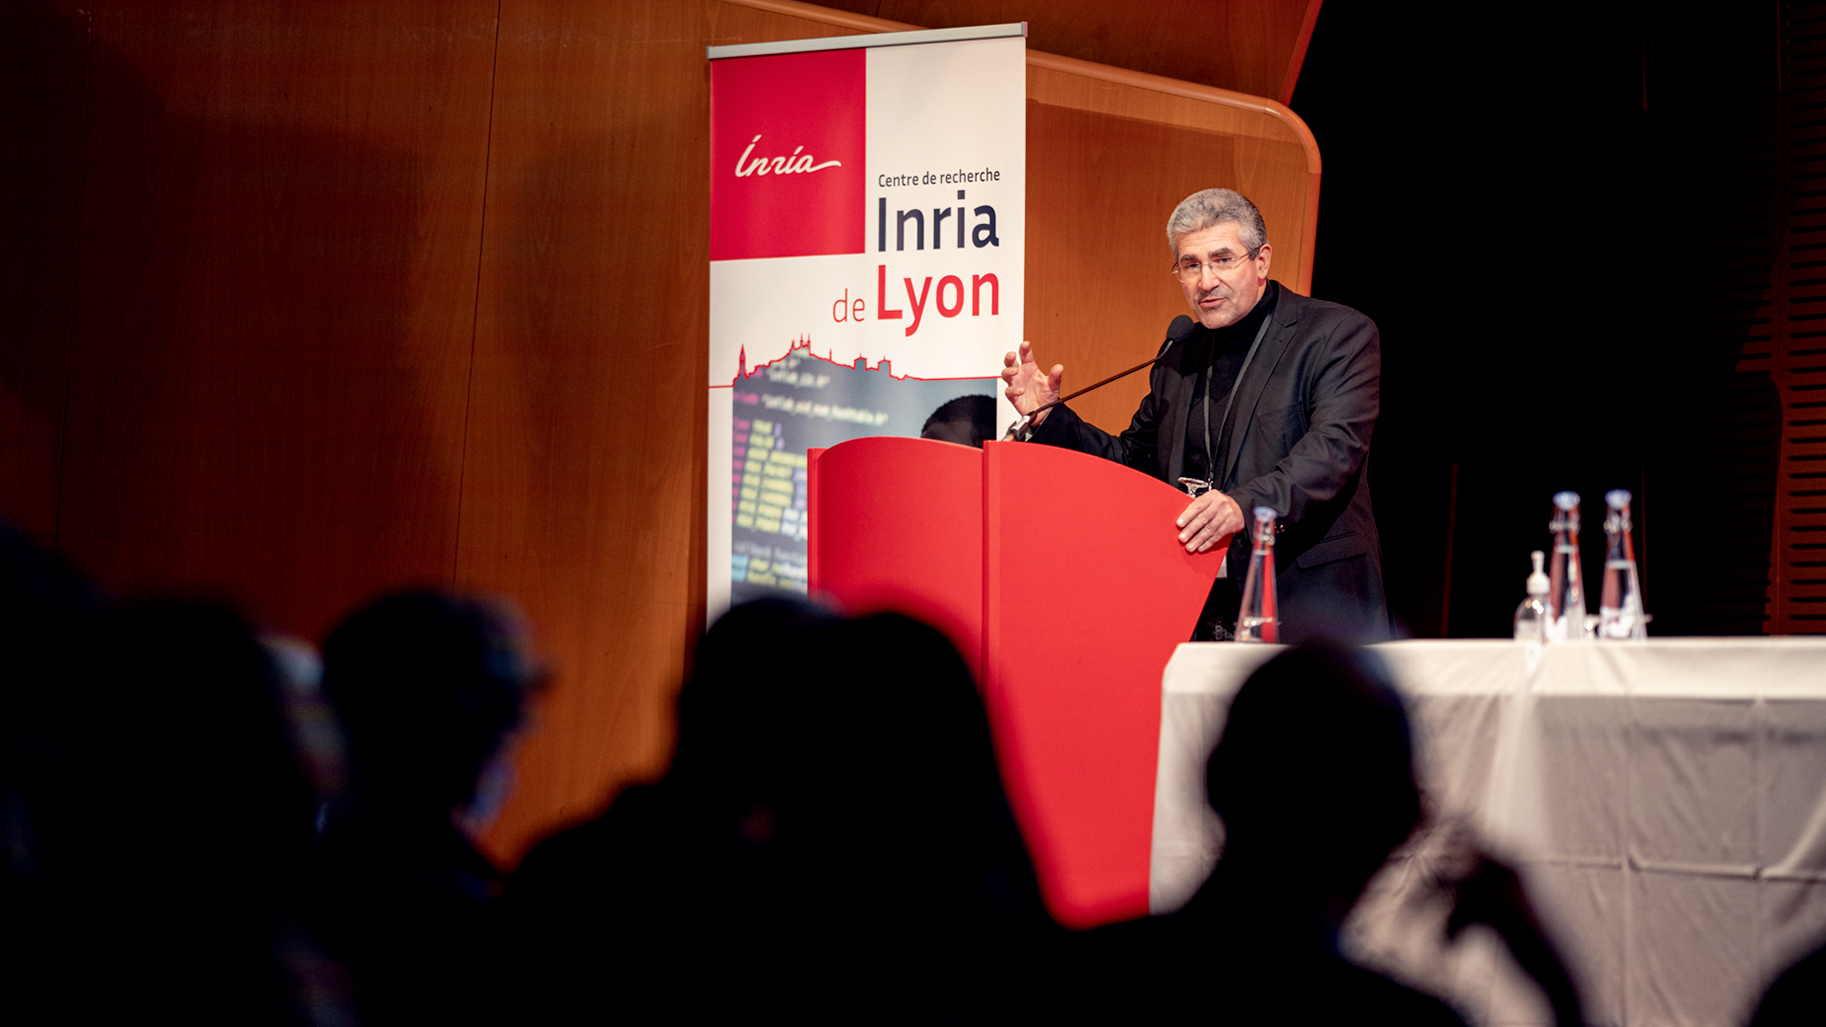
1268	400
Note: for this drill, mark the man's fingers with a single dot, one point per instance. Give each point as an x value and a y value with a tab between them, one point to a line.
1206	537
1194	520
1205	521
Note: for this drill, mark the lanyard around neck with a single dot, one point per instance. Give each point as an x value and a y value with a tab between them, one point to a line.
1224	421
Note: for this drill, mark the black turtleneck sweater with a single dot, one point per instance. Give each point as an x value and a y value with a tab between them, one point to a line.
1220	352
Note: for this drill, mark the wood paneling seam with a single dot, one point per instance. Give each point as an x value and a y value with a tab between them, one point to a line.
475	315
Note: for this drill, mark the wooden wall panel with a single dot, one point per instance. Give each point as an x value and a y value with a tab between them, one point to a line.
275	298
584	490
43	60
1251	46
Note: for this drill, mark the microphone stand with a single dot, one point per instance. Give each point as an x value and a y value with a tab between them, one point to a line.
1022	430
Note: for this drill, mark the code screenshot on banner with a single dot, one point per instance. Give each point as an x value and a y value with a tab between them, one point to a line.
798	402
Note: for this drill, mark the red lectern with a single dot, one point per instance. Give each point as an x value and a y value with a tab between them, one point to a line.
1061	577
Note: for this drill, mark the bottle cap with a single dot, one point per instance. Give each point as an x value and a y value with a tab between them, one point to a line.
1618	498
1538	585
1566	500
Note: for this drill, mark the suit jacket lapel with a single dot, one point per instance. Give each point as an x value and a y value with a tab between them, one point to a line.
1178	382
1255	380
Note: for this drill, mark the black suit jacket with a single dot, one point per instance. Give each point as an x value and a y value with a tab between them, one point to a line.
1296	439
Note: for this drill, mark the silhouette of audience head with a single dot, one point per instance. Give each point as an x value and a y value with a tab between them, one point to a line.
50	623
1314	780
202	817
156	819
966	420
736	706
873	737
1314	775
428	688
832	837
904	762
196	736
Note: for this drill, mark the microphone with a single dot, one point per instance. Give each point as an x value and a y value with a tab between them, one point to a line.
1179	331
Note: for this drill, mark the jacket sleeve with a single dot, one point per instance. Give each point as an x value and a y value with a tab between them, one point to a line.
1135	447
1342	396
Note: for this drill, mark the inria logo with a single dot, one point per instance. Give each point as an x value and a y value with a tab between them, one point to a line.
792	164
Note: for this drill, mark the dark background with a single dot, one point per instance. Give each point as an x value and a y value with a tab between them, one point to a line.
1562	226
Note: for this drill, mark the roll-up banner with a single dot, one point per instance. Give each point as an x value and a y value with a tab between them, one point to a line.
867	231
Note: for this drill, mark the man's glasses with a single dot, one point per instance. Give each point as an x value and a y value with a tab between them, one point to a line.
1191	270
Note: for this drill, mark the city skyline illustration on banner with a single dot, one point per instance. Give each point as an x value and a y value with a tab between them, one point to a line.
867	248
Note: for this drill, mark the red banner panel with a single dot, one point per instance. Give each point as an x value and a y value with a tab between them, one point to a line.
788	138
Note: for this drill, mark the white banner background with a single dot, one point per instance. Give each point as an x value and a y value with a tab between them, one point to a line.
933	110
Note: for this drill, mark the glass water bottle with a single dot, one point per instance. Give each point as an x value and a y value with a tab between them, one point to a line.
1257	619
1620	604
1531	616
1565	596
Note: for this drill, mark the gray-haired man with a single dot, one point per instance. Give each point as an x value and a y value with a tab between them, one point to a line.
1269	401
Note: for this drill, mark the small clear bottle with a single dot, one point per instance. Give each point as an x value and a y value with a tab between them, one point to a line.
1620	604
1256	619
1531	615
1565	595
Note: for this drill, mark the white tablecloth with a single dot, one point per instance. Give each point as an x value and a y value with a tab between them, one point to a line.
1665	799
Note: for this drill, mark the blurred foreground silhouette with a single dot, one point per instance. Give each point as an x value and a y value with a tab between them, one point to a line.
156	819
831	843
1314	780
428	688
1797	996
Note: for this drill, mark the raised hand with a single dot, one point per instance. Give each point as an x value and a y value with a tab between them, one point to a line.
1486	890
1026	387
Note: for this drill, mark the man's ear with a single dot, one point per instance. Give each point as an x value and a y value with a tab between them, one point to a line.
1261	259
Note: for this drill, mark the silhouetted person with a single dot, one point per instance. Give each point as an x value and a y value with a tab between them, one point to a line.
1314	780
635	913
939	919
174	848
428	688
966	420
50	635
210	826
831	843
1796	997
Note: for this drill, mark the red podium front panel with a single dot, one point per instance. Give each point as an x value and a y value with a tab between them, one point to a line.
1061	578
1087	591
897	524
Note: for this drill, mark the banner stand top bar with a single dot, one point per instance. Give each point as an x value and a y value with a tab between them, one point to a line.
868	40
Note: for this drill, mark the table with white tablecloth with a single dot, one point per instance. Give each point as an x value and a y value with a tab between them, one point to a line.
1665	799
